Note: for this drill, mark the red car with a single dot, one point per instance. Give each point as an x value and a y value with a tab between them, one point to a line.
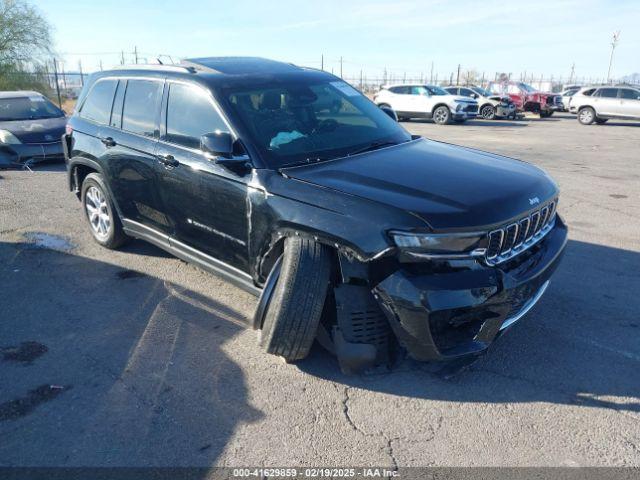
527	98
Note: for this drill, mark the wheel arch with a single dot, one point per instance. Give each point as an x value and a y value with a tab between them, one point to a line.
77	171
440	104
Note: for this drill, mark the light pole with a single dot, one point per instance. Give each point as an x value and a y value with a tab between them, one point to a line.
614	44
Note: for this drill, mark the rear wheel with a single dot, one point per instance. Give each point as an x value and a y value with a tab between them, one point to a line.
104	222
442	115
293	310
488	112
586	115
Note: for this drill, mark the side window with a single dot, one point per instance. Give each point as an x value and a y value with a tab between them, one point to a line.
97	106
629	94
466	92
418	90
513	90
190	114
589	92
140	107
400	90
116	114
608	92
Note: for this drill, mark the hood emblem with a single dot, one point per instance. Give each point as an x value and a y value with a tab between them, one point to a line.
534	200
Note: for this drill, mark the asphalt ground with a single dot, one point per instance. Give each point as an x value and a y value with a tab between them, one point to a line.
135	358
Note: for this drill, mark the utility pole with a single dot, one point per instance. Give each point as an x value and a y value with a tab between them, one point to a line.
431	76
55	76
458	77
322	62
100	65
135	53
573	71
81	75
122	57
614	44
340	66
361	87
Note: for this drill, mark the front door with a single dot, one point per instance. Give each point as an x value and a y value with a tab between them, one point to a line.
206	203
606	102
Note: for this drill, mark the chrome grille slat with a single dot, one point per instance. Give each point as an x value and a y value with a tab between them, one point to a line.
505	243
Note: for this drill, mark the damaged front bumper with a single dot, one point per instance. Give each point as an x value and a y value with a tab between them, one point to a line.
457	311
19	154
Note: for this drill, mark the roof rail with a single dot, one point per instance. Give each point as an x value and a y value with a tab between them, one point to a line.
157	66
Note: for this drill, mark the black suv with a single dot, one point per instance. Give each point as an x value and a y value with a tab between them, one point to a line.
293	185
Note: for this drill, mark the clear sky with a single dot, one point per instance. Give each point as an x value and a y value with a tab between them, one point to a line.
543	37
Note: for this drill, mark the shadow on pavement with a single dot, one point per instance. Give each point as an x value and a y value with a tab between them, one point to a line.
133	370
580	345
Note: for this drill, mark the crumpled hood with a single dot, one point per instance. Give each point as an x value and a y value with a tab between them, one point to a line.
43	130
449	187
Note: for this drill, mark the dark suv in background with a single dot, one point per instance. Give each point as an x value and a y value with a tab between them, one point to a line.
295	186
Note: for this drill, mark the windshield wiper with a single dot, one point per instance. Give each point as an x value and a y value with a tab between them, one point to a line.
373	146
306	161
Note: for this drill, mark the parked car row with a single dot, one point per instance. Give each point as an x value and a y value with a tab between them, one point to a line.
461	103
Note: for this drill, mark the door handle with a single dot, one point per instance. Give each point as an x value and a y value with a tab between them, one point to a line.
108	141
168	160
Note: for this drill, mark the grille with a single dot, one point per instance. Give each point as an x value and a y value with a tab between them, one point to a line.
506	242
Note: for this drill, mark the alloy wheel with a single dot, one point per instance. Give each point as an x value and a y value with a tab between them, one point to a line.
95	204
586	115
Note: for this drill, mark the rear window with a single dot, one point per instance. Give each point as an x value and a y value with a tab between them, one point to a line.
588	93
97	106
141	106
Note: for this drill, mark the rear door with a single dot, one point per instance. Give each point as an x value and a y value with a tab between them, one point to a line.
132	164
206	203
606	102
629	99
399	98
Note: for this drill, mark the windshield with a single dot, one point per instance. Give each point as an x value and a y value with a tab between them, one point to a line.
437	90
527	88
301	122
27	108
482	91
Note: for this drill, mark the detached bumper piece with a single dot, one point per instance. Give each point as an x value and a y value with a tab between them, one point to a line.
458	313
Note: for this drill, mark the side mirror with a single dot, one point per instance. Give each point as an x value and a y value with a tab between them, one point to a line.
217	143
390	112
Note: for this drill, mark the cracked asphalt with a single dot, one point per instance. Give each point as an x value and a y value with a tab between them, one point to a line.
134	358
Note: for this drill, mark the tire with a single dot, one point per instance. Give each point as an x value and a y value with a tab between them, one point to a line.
601	121
442	115
104	223
544	114
294	310
488	112
586	115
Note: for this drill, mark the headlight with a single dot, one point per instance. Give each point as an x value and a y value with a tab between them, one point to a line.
459	107
428	246
8	138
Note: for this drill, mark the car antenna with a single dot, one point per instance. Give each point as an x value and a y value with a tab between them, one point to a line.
159	61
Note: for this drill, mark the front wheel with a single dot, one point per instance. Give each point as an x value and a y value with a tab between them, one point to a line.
104	223
586	115
488	112
442	115
290	314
